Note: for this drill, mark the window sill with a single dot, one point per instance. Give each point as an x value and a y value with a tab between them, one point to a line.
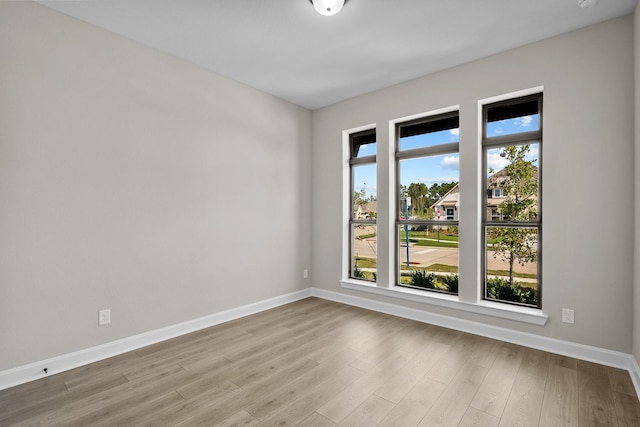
504	311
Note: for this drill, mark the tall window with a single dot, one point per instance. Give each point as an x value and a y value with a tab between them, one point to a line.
364	209
427	166
511	217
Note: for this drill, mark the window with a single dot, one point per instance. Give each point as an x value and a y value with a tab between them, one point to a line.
427	177
418	258
363	212
511	217
495	215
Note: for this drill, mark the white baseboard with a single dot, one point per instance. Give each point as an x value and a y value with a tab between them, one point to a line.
579	351
65	362
34	371
634	371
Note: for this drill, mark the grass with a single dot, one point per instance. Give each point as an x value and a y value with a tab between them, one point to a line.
444	268
505	273
435	243
366	262
440	268
366	236
444	235
528	285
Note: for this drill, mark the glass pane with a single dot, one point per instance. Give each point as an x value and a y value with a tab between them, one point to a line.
429	187
512	183
365	204
429	139
429	257
435	130
364	150
363	247
512	265
363	143
513	125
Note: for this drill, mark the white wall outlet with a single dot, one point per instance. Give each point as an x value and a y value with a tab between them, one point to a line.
305	273
567	315
104	317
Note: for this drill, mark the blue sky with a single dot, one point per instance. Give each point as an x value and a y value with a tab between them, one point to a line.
441	168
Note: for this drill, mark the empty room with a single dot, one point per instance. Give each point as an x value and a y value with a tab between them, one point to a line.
319	212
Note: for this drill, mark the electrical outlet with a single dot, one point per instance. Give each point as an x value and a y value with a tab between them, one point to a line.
305	273
104	317
567	315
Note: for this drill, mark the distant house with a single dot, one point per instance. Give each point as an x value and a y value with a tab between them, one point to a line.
496	195
446	208
367	210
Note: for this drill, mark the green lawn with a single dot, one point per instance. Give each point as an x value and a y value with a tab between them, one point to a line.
444	235
436	243
365	262
367	236
443	268
505	273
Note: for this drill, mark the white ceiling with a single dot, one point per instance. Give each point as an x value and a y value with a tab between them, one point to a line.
285	48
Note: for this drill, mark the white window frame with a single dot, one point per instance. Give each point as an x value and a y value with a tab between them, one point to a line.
354	162
469	298
347	200
419	153
516	139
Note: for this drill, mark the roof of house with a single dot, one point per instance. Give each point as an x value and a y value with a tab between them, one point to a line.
450	198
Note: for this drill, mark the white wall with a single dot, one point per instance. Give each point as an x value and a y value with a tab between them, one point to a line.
636	277
587	163
133	181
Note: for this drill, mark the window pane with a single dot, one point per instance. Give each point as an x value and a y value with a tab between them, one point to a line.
512	265
508	119
513	126
429	139
365	205
512	183
430	132
428	187
364	150
429	257
363	144
364	258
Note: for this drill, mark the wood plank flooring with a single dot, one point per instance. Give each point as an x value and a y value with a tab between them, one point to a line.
320	363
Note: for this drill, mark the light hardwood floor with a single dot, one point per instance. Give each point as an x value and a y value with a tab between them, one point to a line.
320	363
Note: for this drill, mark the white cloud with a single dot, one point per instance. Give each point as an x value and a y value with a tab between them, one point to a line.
440	180
533	152
455	134
526	121
450	162
495	161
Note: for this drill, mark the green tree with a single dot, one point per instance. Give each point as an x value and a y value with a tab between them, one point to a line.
359	198
417	192
519	181
436	191
403	191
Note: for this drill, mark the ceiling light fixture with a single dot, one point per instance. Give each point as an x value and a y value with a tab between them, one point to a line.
586	4
328	7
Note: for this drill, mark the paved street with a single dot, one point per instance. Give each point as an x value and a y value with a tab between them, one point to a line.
424	256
